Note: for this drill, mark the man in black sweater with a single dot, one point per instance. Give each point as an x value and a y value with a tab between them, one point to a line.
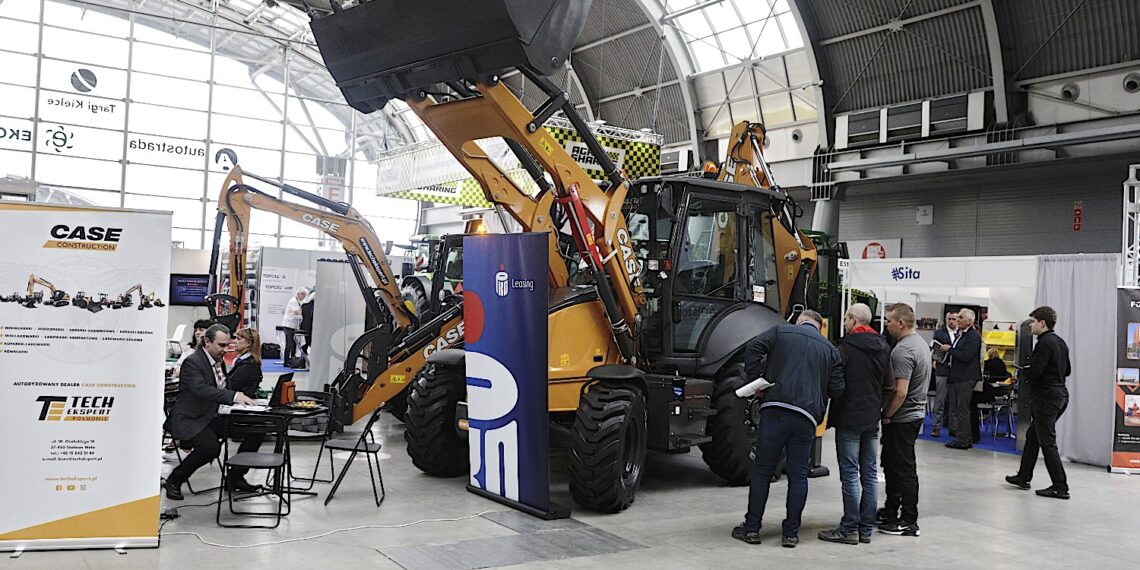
1048	367
855	416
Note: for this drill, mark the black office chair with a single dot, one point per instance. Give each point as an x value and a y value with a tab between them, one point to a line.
366	444
276	462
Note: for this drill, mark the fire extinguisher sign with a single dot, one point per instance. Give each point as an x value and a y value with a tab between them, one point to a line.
1078	206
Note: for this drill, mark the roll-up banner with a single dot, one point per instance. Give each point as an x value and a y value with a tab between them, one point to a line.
504	311
82	348
1126	407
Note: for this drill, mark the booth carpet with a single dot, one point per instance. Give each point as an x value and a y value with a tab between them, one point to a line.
1001	444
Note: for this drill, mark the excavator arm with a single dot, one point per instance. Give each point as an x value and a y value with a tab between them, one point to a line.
744	163
343	223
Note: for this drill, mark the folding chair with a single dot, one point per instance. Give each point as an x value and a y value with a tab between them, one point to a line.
366	444
325	399
276	462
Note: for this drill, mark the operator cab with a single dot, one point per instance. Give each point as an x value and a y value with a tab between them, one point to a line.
689	232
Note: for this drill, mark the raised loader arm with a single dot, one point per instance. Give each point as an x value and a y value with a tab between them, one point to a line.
343	222
411	50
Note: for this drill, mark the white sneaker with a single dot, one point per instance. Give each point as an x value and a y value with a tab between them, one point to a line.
171	457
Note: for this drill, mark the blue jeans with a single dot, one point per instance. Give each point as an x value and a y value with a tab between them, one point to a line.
856	452
781	430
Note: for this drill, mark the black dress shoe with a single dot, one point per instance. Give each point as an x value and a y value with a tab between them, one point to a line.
956	445
173	492
241	486
1053	493
1013	480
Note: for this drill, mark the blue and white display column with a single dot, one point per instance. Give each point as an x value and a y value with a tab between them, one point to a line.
504	312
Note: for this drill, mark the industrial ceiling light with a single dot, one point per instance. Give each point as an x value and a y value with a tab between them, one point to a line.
1132	82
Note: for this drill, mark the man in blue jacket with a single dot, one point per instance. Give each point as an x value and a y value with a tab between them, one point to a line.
965	371
806	370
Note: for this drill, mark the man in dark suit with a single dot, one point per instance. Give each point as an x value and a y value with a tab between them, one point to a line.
194	419
945	337
965	372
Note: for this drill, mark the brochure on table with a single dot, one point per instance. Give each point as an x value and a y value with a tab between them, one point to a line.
82	336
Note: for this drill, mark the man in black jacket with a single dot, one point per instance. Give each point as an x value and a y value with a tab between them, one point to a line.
194	418
805	370
855	416
944	336
965	372
1048	367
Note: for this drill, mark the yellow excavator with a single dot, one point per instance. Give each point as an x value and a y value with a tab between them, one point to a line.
669	276
55	297
382	361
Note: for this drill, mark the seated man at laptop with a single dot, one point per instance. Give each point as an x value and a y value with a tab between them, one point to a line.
194	420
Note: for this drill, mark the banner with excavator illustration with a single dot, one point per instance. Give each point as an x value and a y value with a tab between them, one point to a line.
429	173
82	344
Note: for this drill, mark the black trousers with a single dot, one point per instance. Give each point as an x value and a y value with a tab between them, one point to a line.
1042	435
290	345
976	415
960	398
901	470
206	447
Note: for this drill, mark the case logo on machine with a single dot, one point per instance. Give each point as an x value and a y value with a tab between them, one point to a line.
320	223
81	408
87	238
905	273
450	338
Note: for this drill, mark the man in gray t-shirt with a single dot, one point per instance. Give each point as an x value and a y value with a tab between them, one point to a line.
903	415
910	360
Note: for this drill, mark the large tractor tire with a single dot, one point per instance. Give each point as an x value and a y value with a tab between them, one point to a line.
430	429
607	447
415	294
733	428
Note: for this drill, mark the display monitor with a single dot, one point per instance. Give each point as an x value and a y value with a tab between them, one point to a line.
187	289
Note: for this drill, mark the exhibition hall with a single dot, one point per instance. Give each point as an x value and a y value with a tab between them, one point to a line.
569	283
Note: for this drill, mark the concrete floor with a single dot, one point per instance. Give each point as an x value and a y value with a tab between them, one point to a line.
681	519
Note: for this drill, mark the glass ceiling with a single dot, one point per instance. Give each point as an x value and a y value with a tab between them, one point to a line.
720	33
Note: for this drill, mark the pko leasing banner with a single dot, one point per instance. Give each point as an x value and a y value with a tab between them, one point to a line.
82	348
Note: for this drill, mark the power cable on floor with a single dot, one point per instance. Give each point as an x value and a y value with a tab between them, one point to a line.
322	535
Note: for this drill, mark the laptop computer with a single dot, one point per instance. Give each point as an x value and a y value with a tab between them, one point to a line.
275	399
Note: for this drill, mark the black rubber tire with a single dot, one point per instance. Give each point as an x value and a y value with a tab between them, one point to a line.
733	428
413	291
607	447
398	405
429	425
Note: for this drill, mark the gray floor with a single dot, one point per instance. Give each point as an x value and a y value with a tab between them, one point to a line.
681	519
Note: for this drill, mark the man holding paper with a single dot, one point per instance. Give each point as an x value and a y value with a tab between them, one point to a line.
805	370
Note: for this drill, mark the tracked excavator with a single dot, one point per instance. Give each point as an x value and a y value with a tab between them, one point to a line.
673	275
54	298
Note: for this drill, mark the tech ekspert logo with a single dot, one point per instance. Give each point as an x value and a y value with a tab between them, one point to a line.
76	408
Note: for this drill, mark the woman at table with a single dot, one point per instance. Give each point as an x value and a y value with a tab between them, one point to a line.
245	376
993	371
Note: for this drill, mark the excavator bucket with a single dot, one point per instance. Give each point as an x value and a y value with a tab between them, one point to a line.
385	49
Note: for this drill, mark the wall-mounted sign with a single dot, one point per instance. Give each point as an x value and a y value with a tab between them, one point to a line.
874	249
165	151
924	215
1078	206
